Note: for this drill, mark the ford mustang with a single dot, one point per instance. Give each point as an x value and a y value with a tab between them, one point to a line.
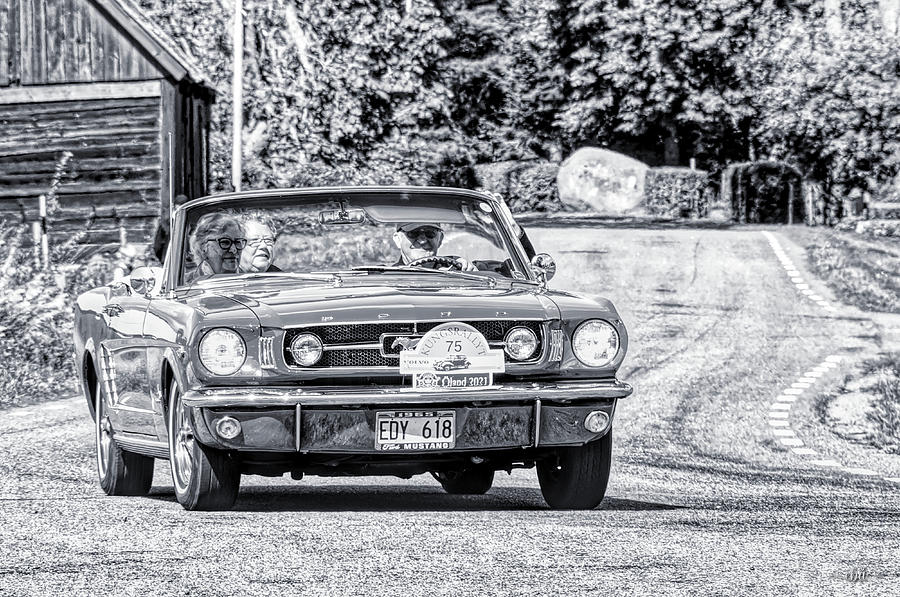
349	331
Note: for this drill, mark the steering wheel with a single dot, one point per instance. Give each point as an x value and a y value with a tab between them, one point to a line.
447	261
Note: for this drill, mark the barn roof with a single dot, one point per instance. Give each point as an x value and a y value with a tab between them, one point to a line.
174	60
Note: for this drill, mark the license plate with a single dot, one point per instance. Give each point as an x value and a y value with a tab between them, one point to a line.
418	430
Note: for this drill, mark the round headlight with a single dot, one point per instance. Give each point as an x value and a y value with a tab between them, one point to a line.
222	351
595	343
306	349
520	343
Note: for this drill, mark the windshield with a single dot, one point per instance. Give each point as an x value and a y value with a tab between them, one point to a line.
358	233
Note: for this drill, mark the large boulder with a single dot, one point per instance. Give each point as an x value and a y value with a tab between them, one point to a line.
608	181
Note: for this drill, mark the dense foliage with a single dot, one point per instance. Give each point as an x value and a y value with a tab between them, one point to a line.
420	91
675	191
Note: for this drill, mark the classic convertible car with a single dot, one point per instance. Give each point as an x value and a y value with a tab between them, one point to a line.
309	331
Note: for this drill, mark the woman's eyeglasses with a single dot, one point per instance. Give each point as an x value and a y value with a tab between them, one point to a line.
225	243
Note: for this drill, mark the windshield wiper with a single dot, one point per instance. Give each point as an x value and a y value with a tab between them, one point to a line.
407	269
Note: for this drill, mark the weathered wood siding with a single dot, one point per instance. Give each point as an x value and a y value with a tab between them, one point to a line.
112	179
186	114
65	41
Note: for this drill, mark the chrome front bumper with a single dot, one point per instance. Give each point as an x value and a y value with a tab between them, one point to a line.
342	419
398	395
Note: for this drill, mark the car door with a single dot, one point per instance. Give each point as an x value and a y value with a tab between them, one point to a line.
124	352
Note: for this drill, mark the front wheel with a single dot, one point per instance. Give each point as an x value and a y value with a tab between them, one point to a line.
204	478
576	478
121	472
470	481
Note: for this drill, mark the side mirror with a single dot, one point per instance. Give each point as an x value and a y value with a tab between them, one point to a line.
143	280
543	266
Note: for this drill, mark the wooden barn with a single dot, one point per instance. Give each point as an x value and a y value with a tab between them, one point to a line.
96	79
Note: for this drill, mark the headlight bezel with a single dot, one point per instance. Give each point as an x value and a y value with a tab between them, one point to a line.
583	328
506	343
321	349
208	365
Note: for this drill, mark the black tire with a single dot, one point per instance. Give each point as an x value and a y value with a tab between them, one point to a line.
576	478
120	472
204	478
470	481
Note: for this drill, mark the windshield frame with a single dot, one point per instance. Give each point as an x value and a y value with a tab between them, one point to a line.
247	199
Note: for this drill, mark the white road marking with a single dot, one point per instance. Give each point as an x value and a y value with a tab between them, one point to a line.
779	411
826	462
861	471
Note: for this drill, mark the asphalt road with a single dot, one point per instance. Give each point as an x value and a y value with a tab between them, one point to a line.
705	497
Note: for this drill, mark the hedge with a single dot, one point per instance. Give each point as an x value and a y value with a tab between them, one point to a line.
675	192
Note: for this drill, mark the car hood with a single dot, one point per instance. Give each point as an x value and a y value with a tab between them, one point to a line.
278	305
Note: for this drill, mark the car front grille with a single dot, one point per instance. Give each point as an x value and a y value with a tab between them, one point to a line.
382	335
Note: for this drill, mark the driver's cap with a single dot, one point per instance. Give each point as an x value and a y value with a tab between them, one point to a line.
410	226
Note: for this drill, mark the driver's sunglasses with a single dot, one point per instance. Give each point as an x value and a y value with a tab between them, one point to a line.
425	231
225	243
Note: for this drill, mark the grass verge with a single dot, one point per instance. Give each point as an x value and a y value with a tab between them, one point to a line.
862	271
885	412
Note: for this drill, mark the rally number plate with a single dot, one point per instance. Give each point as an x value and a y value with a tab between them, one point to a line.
417	430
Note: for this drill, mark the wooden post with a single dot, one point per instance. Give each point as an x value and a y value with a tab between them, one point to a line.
790	218
36	243
45	247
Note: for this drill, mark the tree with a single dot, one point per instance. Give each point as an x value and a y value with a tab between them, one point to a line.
830	101
656	69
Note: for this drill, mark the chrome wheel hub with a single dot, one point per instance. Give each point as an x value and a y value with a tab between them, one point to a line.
103	438
182	447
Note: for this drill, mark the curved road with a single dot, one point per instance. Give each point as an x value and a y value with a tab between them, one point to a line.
704	498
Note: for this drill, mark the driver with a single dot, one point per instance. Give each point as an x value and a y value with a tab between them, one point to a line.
419	240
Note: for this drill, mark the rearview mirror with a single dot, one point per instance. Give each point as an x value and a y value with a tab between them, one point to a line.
342	216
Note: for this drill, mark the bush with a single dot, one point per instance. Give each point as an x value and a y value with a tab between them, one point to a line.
527	186
885	413
676	192
36	320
